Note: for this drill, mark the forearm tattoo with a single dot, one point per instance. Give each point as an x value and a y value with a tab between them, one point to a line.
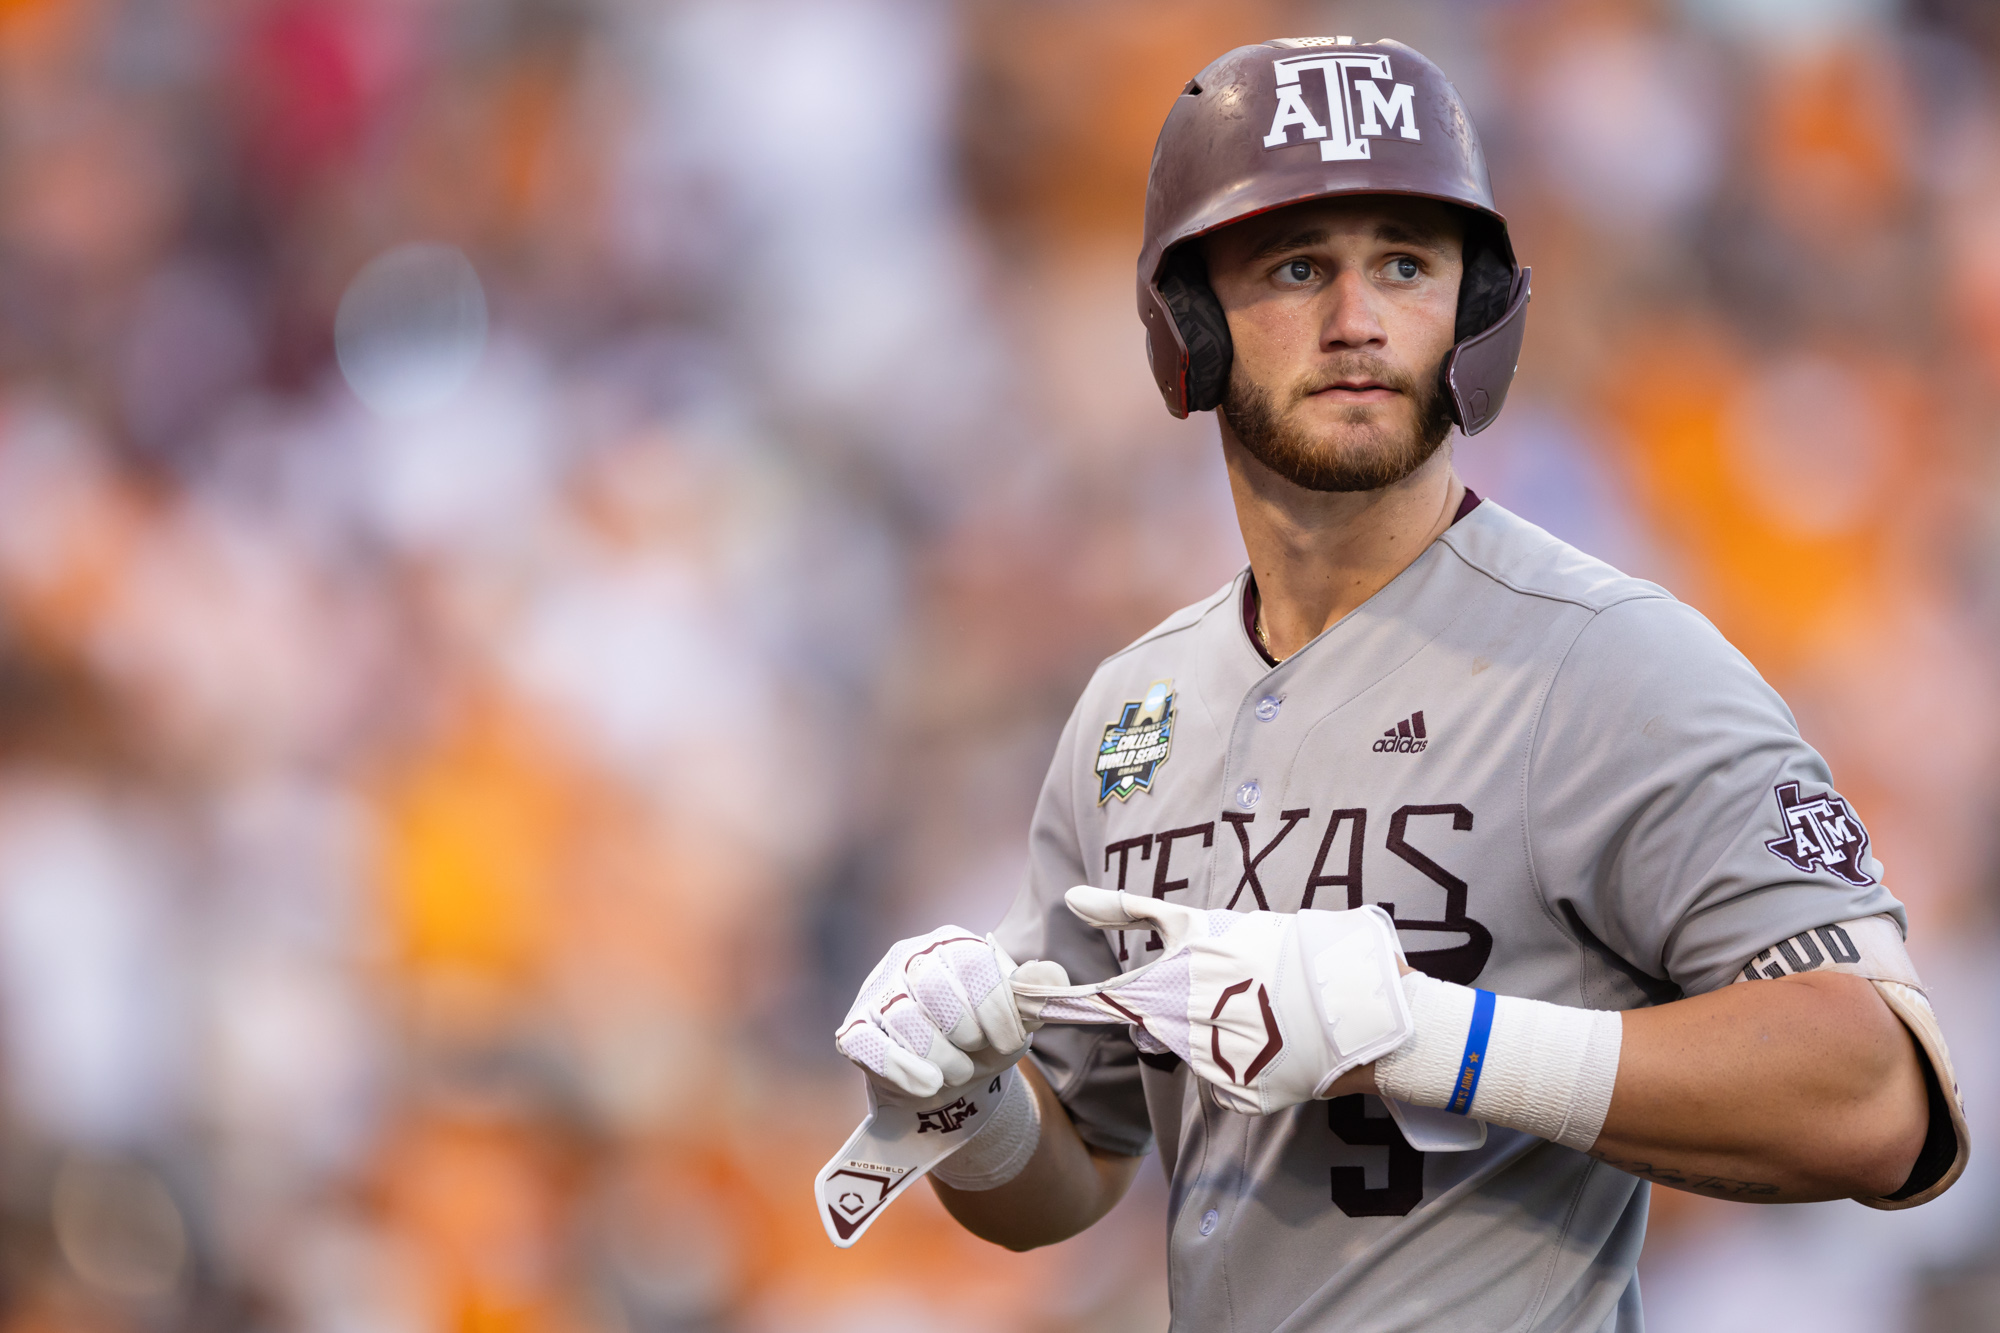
1721	1187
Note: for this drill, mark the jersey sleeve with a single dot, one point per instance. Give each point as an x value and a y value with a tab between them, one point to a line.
1093	1069
1673	810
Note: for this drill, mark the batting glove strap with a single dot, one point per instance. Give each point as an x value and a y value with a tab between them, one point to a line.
1267	1008
1001	1150
1544	1068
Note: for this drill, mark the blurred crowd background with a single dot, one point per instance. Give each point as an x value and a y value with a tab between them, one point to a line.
537	536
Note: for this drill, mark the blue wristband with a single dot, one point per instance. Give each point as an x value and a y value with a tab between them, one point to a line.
1475	1052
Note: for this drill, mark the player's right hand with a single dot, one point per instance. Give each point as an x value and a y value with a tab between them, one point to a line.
1270	1008
938	1012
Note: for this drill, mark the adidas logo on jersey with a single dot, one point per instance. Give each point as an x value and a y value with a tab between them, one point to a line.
1406	737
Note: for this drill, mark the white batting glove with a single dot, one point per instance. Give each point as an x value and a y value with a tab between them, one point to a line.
1270	1008
937	1013
936	1033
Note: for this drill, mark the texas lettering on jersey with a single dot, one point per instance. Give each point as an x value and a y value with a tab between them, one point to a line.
1334	882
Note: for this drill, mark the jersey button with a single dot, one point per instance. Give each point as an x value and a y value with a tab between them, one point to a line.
1249	794
1268	706
1208	1221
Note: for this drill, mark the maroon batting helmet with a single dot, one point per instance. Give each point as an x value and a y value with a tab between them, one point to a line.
1304	118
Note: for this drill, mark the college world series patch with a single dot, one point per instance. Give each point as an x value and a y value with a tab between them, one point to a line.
1136	744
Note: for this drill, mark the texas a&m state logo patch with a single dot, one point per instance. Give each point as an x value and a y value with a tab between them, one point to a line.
1136	744
1821	833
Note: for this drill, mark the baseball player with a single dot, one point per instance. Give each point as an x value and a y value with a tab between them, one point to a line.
1431	889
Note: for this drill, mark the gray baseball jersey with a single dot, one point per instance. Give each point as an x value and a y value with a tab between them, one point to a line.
1561	782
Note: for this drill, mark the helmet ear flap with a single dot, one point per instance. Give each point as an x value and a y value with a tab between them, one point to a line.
1476	372
1204	329
1487	283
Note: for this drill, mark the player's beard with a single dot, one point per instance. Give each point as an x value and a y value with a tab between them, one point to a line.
1316	461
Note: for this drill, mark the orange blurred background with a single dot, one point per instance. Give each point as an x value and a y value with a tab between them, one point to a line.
537	536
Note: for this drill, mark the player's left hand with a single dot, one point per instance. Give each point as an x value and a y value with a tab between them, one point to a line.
1270	1008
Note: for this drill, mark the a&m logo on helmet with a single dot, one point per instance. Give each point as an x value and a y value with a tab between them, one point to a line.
1136	744
1348	88
1821	833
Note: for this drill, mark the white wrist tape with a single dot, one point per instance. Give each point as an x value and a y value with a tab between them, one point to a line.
1000	1151
1544	1068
